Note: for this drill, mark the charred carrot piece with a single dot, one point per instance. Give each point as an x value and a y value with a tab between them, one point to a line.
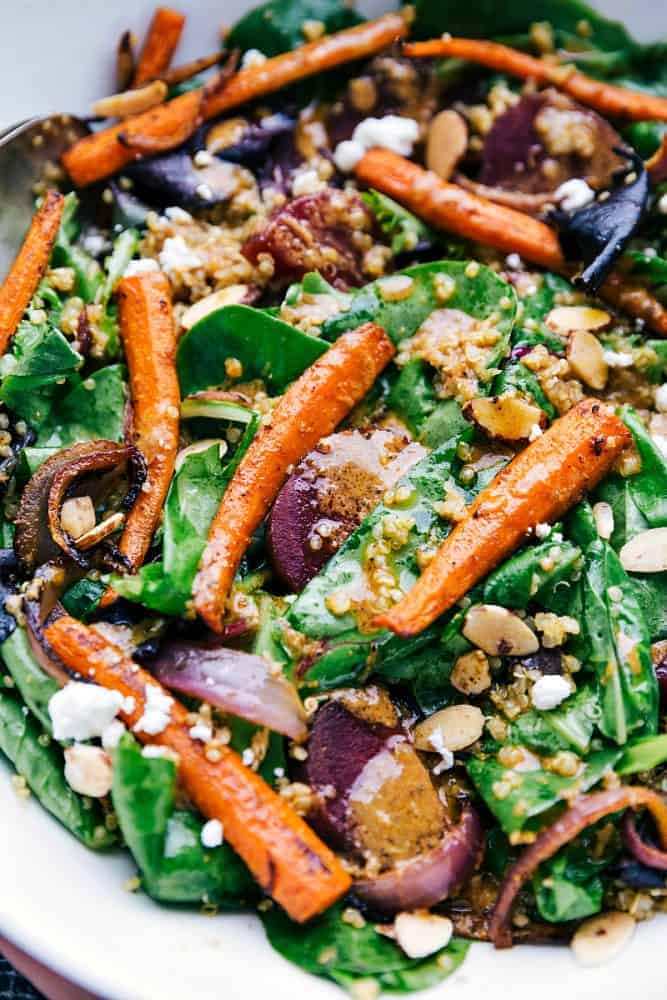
163	36
149	339
288	860
310	409
449	206
106	152
28	269
583	812
604	97
539	485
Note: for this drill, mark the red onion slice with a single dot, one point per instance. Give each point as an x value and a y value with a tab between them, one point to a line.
429	878
650	856
236	682
51	580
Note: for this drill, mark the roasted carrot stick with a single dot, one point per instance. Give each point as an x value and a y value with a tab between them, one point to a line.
149	339
603	97
310	409
288	860
163	36
539	485
103	153
451	207
584	812
27	270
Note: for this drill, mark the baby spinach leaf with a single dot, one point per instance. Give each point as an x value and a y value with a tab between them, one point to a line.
652	267
649	487
35	687
277	26
336	950
413	398
568	727
92	409
82	598
519	799
643	755
569	886
404	229
266	347
67	252
40	361
42	766
532	571
165	841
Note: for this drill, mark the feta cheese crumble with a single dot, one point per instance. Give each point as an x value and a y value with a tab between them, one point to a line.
252	57
201	732
618	359
212	833
82	711
157	713
391	132
660	397
141	266
549	691
176	255
662	205
574	194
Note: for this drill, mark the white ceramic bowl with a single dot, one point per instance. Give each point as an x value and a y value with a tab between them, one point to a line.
67	906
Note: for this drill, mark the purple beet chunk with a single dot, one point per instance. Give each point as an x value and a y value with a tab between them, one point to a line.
512	143
661	676
340	746
547	661
328	495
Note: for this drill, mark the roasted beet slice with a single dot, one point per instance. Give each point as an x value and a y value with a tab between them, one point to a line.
376	799
546	139
328	495
315	233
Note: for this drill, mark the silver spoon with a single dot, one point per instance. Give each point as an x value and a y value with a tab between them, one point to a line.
26	150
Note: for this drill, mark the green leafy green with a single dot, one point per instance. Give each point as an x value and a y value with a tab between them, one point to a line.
92	409
524	577
404	229
41	763
82	598
649	487
569	886
643	755
266	347
413	398
35	687
336	950
165	841
570	726
277	26
40	361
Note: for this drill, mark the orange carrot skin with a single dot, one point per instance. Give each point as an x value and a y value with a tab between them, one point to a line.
608	99
626	295
452	207
311	408
149	339
28	269
539	485
285	856
163	36
101	154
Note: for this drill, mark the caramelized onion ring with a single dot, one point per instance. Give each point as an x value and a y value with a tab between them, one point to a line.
584	812
650	856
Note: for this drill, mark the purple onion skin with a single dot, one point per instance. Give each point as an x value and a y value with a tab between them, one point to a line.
429	878
340	746
547	661
661	677
237	682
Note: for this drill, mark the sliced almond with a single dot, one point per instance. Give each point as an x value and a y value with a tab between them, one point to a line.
88	770
601	938
586	358
509	418
499	632
470	674
131	102
646	552
446	143
231	296
422	933
453	728
77	516
101	531
604	519
564	319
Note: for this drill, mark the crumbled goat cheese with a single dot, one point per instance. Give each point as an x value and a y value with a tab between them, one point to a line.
252	57
177	214
549	691
535	432
542	530
662	205
82	711
306	182
157	712
201	732
514	262
660	397
447	761
153	751
574	194
95	244
212	833
604	519
618	359
112	734
88	770
176	255
141	266
391	132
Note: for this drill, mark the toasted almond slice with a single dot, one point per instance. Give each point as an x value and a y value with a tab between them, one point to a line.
131	102
646	552
564	319
470	674
77	516
446	144
453	728
231	296
601	938
604	519
499	632
509	418
422	933
101	531
88	770
586	358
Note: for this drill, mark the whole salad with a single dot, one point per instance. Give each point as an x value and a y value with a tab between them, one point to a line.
334	481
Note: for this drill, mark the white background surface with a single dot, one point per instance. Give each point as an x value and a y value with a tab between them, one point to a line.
67	905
